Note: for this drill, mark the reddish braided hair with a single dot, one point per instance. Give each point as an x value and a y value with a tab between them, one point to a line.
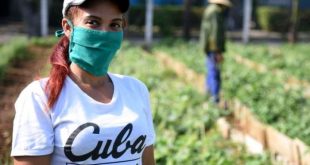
59	60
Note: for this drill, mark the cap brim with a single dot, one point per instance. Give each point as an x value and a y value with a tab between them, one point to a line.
68	3
122	4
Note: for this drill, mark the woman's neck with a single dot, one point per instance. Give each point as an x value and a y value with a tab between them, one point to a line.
84	78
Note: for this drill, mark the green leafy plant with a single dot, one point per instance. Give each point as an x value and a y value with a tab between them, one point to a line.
13	50
264	93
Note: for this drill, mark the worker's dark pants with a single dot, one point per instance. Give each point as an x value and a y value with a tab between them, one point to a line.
213	77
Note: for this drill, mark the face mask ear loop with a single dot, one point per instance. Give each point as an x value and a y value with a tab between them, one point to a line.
60	33
71	35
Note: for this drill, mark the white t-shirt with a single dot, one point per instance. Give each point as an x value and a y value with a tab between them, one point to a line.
81	130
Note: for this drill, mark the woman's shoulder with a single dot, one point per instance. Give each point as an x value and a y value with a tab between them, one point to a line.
33	96
36	86
127	80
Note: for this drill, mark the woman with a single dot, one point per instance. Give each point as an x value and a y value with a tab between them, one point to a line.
82	114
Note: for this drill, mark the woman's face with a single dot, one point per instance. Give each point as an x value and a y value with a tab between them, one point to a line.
100	15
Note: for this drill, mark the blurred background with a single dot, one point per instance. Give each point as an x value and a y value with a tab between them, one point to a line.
171	17
265	72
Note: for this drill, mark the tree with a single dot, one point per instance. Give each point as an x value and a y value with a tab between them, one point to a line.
293	30
186	19
31	16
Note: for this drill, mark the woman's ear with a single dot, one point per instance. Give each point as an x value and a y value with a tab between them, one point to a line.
66	27
124	22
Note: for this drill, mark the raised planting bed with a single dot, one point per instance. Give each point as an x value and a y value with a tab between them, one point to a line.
264	93
184	121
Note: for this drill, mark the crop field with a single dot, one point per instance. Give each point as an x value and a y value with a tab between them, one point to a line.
292	59
267	94
183	118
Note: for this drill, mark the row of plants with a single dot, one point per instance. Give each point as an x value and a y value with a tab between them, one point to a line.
264	93
16	50
183	120
187	52
13	50
292	59
269	100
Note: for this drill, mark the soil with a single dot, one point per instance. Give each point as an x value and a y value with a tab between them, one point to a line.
17	77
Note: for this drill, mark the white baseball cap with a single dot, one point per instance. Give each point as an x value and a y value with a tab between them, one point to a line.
122	4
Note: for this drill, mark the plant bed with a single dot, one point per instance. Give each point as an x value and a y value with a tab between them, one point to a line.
250	123
264	93
183	120
292	60
17	76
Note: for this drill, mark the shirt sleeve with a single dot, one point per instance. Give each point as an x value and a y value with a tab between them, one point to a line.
214	33
204	32
32	128
148	112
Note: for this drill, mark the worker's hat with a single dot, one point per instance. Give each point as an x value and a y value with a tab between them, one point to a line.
221	2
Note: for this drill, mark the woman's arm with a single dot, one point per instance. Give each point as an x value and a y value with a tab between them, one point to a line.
32	160
148	156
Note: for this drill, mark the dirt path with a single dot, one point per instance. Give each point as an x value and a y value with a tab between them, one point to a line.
17	77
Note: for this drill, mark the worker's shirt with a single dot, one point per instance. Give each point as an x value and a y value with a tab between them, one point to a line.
212	33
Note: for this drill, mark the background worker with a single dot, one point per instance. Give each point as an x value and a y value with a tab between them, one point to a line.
212	38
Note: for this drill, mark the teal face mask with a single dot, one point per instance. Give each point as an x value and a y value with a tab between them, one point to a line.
93	50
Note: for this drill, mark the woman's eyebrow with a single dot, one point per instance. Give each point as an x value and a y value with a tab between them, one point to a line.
92	17
98	18
117	19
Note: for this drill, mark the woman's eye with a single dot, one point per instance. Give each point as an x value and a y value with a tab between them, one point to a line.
116	26
92	23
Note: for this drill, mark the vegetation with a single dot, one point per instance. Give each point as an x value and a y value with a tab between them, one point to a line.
167	19
276	19
187	52
14	50
292	59
44	42
184	120
264	93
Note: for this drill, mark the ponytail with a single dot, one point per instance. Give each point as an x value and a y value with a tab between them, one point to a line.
59	60
60	69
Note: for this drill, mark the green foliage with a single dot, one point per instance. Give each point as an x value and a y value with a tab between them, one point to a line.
183	51
304	23
292	59
278	19
268	99
16	49
13	50
168	19
183	120
44	41
265	93
6	159
273	18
